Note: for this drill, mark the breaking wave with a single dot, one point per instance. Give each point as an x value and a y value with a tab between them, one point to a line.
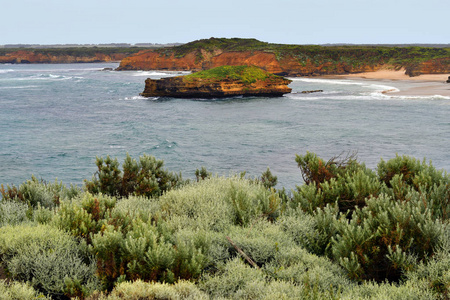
161	73
6	71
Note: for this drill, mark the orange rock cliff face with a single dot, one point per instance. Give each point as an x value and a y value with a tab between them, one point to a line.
286	66
289	60
31	57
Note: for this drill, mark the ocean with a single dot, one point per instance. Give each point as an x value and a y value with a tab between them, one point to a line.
55	120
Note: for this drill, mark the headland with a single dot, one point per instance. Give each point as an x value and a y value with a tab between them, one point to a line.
291	60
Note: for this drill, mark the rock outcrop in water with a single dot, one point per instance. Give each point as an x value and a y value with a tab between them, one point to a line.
290	60
220	82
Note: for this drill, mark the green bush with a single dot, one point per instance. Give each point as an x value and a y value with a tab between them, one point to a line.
235	280
136	290
19	291
387	291
84	215
13	213
47	258
434	274
386	238
402	175
342	181
146	251
218	203
144	178
36	192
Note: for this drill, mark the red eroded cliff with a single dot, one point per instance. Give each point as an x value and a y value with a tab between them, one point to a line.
434	66
289	60
196	61
26	56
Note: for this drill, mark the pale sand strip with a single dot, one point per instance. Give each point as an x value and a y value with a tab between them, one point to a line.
423	85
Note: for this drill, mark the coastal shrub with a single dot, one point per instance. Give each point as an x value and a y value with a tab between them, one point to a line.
238	280
261	241
340	180
403	175
218	203
136	207
50	259
312	232
235	280
84	215
386	238
136	290
36	192
202	174
300	267
13	213
145	177
414	172
299	226
370	290
19	291
42	215
148	252
268	180
434	274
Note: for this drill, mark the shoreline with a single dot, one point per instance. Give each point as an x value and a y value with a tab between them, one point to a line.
423	85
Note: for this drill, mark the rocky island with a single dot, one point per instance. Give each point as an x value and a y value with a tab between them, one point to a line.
219	82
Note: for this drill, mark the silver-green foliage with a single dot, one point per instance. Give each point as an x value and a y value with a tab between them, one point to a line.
36	192
217	203
136	290
47	258
13	213
19	291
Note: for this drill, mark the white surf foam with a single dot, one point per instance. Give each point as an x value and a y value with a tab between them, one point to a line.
161	73
6	71
135	98
149	73
18	87
327	81
43	77
434	97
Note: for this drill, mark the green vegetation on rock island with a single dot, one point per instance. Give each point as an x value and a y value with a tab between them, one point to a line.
140	231
245	74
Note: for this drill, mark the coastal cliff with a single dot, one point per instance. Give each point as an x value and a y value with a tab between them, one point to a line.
224	81
290	60
64	55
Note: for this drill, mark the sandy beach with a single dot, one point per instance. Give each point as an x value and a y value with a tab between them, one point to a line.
423	85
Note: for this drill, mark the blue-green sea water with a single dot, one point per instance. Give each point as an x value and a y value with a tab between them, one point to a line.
55	120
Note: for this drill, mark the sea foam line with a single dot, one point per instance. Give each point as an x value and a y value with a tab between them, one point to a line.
6	71
18	87
329	81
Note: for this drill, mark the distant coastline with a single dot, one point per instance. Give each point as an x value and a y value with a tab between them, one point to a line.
413	62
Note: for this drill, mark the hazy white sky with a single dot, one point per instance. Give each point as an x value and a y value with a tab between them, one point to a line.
276	21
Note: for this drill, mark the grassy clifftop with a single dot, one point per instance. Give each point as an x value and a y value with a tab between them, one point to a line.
397	56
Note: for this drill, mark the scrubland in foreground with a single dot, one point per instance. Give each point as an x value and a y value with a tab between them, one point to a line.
142	232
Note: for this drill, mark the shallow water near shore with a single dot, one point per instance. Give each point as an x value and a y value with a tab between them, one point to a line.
55	119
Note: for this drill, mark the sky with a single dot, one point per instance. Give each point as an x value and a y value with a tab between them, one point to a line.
274	21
